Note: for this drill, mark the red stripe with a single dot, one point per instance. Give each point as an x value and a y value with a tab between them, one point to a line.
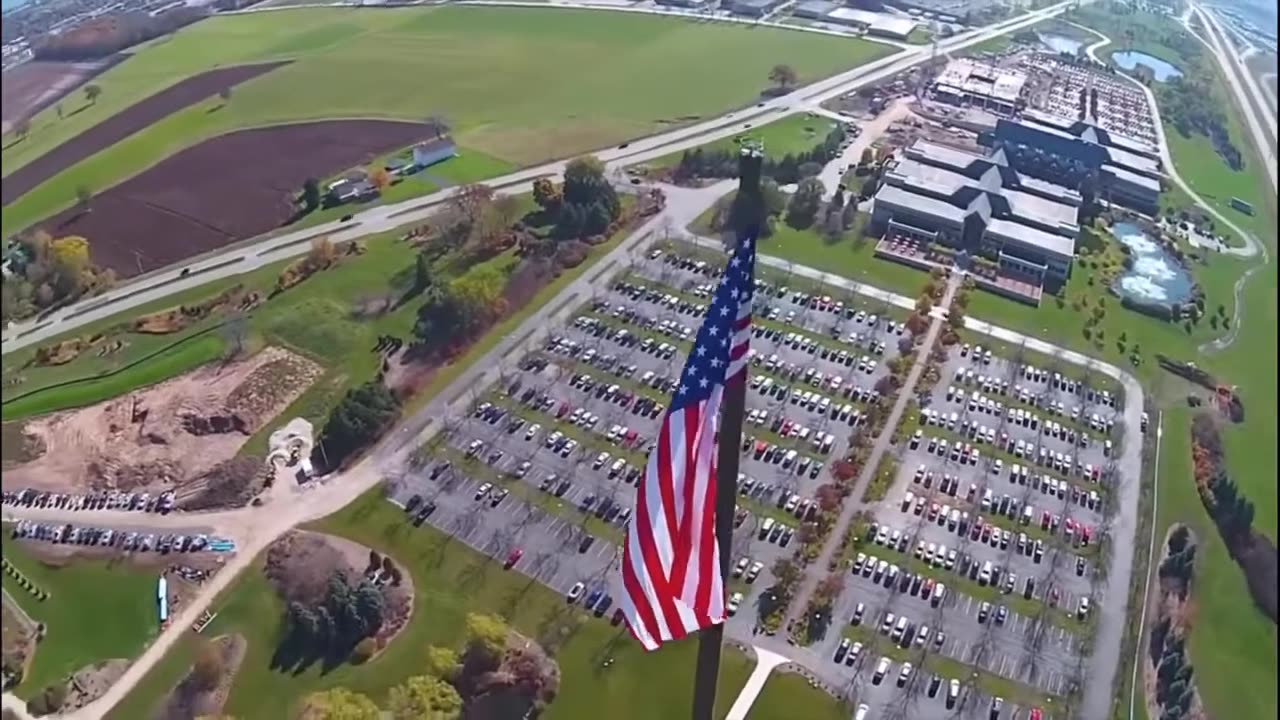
652	562
666	481
683	535
639	601
707	572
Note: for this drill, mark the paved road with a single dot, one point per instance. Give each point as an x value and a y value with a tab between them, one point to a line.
254	254
1233	67
853	503
1252	246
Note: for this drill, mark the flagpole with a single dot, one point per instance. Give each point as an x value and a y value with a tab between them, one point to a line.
729	452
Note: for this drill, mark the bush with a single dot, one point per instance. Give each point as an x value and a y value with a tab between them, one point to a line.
363	650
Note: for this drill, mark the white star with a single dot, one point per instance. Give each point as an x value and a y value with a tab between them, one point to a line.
701	351
734	262
713	330
683	390
693	371
715	362
724	310
703	382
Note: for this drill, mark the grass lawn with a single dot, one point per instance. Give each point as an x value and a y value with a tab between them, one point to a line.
792	134
482	68
852	256
451	580
122	620
1232	644
787	695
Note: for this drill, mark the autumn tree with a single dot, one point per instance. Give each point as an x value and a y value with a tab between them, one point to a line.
547	195
784	76
506	210
322	253
424	698
92	92
804	204
471	199
70	259
786	572
477	294
380	178
339	704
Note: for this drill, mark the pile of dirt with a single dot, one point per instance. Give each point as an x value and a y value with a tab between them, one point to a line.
260	394
183	316
156	438
192	698
89	683
232	483
300	564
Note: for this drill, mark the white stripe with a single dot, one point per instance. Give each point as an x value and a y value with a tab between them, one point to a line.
704	454
652	496
636	556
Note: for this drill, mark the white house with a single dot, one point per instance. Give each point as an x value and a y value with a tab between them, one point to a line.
431	152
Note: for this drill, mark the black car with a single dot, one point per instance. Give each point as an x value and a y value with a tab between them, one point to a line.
413	503
935	684
586	543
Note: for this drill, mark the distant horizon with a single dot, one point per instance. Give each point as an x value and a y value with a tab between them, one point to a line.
7	5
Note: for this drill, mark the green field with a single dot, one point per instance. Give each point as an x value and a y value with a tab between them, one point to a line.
521	85
792	134
451	580
123	617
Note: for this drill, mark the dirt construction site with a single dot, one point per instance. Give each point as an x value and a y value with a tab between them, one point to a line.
182	434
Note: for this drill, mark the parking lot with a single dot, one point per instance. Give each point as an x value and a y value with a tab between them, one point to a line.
1001	496
540	475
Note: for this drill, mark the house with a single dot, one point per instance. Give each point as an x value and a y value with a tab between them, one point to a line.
430	152
399	165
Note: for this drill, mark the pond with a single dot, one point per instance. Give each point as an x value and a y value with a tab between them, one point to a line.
1130	59
1153	277
1060	43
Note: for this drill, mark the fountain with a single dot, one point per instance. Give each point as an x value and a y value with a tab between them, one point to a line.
1152	278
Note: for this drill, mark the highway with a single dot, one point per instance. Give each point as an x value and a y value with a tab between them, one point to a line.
251	255
1252	102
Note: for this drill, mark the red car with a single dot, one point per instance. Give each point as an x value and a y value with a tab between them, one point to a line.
513	557
1035	714
617	617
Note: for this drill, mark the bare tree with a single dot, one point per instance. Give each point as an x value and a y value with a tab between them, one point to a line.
438	124
234	332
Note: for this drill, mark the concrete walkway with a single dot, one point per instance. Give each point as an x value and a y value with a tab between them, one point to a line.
853	504
766	661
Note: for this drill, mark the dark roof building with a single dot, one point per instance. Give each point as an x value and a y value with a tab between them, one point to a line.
980	204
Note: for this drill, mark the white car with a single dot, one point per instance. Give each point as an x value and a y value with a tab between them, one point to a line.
735	600
575	592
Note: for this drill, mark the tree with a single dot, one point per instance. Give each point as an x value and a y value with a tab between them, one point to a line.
441	662
321	254
208	667
22	128
486	632
92	92
424	698
224	94
438	124
784	76
506	208
361	415
380	178
477	293
422	275
867	158
340	704
84	196
786	572
58	108
546	195
469	200
311	194
805	202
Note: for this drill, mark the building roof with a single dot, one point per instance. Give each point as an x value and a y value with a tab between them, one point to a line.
880	22
1042	210
444	143
1133	178
901	198
814	8
1136	163
1028	236
966	76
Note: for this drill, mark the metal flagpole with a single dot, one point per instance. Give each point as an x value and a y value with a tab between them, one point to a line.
728	455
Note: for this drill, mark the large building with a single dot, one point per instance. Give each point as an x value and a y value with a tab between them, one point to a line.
977	84
980	205
752	8
1128	170
872	23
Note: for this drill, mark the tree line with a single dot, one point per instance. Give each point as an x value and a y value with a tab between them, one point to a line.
47	273
491	676
723	162
359	418
330	631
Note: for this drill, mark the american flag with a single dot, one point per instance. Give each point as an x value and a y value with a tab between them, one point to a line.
671	561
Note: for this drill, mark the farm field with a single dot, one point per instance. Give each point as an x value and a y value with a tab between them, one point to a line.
75	638
467	64
450	580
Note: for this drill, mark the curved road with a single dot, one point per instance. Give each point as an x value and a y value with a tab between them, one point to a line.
255	254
